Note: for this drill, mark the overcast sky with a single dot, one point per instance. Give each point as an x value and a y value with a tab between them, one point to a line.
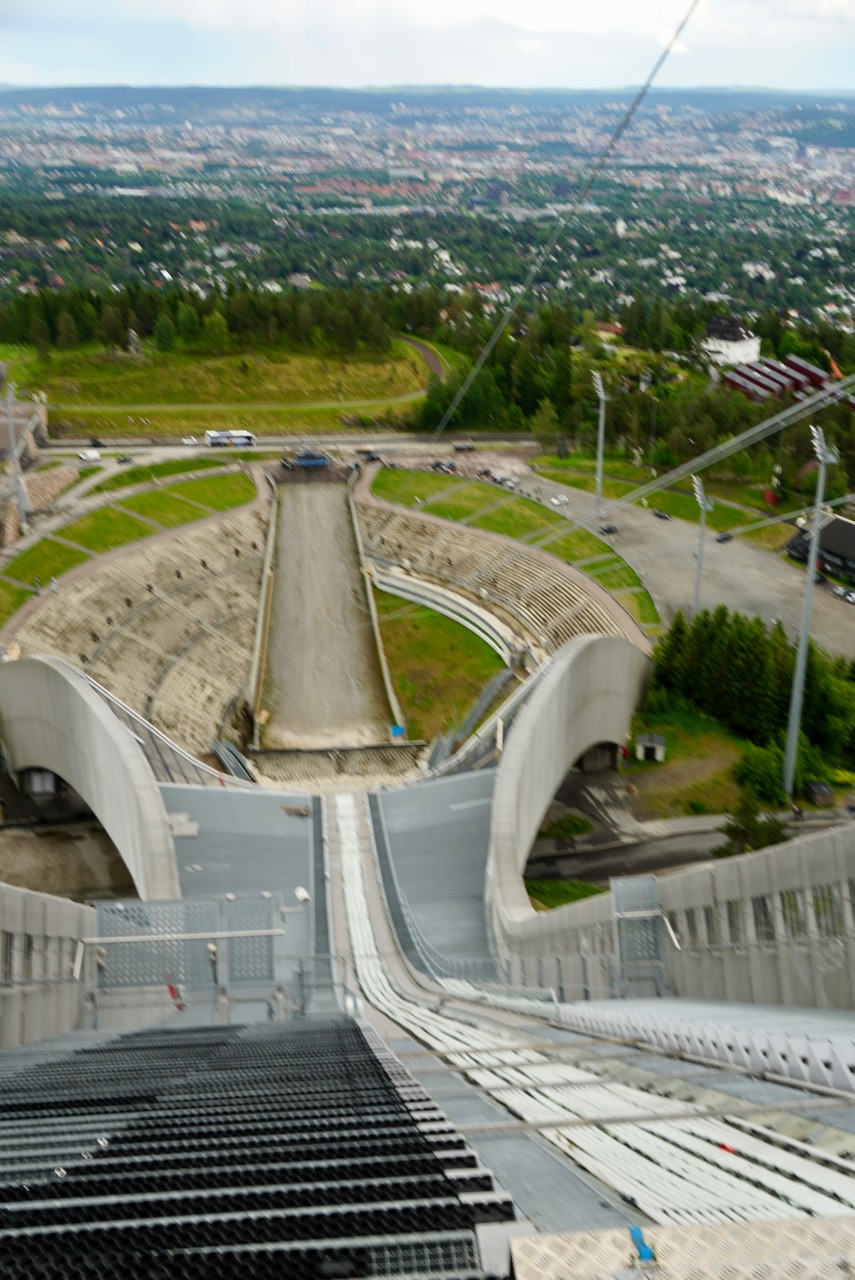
793	44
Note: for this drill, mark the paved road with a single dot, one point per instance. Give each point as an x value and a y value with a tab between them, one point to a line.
323	685
737	573
666	853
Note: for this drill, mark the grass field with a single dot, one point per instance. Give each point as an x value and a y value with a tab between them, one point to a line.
406	487
681	506
47	559
697	774
220	493
91	376
104	529
11	599
557	893
169	423
615	575
157	470
579	545
465	501
162	506
519	517
641	606
438	667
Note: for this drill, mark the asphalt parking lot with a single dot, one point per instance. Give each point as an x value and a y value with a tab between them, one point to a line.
736	573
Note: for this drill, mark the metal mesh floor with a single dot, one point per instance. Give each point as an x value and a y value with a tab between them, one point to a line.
302	1149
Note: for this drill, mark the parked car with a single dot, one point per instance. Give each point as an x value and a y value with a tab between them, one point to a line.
559	500
124	458
661	515
840	592
608	528
724	537
850	597
89	455
191	440
96	444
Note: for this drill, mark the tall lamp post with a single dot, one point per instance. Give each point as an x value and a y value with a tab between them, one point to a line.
826	456
601	440
20	491
705	506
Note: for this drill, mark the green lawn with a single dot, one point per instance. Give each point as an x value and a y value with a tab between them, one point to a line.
519	517
557	893
162	506
641	606
104	529
91	376
220	493
579	545
155	471
405	487
11	599
465	501
46	560
697	776
438	668
615	576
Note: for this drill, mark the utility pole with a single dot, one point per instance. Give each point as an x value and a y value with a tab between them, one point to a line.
825	456
601	440
20	491
705	506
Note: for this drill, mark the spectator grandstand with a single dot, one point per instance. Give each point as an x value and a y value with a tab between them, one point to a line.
167	627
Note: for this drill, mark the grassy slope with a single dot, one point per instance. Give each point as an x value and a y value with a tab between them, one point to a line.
438	667
89	375
697	774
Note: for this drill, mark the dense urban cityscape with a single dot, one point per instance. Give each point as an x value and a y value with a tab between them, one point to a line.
739	198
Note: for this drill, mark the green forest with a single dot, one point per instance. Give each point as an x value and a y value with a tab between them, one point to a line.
740	671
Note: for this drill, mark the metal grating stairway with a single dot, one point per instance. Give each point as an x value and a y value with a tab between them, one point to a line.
302	1149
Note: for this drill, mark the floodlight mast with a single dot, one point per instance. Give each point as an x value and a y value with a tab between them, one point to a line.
705	506
825	456
20	491
601	440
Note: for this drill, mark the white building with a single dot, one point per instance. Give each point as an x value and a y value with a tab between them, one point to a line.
729	342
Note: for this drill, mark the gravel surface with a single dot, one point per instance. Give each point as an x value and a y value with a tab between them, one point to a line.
323	685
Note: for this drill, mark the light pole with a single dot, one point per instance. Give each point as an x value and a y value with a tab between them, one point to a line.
705	506
825	456
601	440
20	492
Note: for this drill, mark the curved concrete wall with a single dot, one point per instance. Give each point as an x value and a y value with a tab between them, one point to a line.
51	718
587	696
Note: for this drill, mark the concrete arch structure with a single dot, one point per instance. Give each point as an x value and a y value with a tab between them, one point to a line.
52	718
587	696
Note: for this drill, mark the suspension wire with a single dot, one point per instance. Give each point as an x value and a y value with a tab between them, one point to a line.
561	226
822	399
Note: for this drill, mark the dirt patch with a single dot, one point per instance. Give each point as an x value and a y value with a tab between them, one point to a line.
80	863
701	783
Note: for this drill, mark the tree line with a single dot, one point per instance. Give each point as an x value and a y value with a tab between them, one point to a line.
344	321
740	671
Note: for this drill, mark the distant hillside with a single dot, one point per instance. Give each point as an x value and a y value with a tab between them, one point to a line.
212	103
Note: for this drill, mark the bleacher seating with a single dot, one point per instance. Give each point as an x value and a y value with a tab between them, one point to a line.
553	601
167	626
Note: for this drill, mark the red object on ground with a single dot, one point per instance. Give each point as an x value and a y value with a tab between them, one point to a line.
770	497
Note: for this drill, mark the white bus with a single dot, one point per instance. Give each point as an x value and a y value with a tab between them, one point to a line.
229	439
